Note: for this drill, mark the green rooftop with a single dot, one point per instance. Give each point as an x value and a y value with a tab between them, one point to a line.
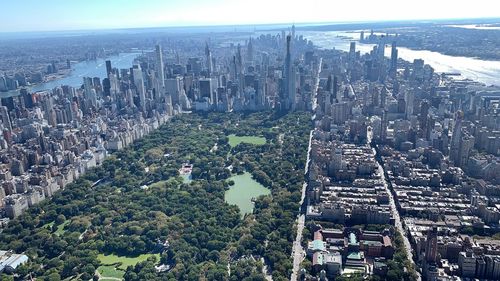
318	245
369	242
355	256
352	239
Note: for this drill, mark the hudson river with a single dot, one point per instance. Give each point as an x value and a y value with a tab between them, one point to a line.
96	68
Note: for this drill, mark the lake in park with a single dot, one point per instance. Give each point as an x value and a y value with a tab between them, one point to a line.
244	189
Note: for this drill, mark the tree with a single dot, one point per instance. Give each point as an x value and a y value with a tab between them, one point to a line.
53	277
203	232
60	219
214	255
6	277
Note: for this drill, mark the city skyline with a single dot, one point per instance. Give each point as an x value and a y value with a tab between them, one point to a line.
249	140
57	15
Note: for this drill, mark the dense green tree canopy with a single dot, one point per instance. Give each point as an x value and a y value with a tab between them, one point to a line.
64	236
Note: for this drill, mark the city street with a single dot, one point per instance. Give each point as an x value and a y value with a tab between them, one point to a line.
298	252
395	213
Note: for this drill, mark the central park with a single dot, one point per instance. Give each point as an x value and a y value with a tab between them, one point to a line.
230	217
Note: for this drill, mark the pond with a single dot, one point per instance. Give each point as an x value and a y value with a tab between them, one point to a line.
245	188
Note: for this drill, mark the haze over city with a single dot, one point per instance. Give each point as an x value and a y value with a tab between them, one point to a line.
54	15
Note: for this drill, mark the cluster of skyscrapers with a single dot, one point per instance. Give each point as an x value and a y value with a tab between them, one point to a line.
49	138
395	144
430	175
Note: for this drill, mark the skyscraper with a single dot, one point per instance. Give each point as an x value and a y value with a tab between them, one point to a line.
352	52
4	114
139	85
109	69
173	86
239	69
456	137
207	88
90	93
333	88
424	116
289	72
381	50
250	50
409	100
159	67
394	58
431	249
208	57
383	126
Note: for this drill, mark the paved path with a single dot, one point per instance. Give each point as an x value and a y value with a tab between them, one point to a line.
265	270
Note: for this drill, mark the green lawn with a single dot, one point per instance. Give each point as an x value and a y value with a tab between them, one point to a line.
110	271
48	224
60	228
126	261
157	184
185	179
235	140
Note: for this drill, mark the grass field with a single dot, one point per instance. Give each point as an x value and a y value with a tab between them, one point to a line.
185	179
235	140
110	271
157	184
110	266
60	228
48	224
126	261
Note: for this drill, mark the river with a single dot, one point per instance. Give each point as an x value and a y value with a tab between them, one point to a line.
484	71
94	68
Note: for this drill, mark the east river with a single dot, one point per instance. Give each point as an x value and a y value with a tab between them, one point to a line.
484	71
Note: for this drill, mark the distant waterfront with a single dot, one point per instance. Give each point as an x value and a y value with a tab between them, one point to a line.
95	68
484	71
477	26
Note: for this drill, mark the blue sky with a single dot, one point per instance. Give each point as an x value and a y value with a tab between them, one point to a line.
45	15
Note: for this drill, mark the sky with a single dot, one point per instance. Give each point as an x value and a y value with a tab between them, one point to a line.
53	15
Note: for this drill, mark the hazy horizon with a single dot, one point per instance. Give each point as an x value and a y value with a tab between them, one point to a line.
246	27
60	15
